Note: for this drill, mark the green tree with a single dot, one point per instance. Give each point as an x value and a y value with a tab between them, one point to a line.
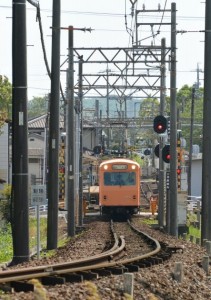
5	98
37	106
184	101
149	109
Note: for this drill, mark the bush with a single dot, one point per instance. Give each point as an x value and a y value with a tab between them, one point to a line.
5	211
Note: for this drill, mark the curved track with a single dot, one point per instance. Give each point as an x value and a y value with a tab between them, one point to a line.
112	261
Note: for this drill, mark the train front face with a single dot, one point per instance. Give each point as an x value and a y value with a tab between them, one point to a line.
119	188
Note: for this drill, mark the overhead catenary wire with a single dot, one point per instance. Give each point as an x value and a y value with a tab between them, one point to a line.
162	16
44	13
185	18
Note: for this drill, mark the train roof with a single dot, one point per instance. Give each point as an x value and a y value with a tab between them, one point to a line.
119	160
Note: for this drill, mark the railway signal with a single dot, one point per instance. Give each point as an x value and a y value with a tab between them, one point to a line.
147	152
166	153
97	149
179	171
157	150
160	124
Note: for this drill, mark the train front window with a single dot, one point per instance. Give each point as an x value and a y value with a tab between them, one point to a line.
119	178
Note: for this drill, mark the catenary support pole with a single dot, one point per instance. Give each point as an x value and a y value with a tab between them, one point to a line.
191	140
53	168
173	229
80	96
206	160
161	206
20	217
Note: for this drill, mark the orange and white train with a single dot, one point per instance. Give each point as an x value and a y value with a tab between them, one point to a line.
119	186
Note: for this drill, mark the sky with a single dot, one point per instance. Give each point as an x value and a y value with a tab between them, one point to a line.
107	19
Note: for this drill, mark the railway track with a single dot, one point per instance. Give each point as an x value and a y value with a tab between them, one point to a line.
113	261
148	189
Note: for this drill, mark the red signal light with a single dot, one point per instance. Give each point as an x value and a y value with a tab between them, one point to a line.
179	171
160	127
168	156
166	153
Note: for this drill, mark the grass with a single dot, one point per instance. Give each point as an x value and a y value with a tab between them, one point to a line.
6	246
6	249
195	232
192	230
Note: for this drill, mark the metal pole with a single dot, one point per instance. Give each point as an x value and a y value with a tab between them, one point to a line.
38	231
107	100
70	139
206	161
191	141
173	230
20	200
80	94
161	206
98	140
53	168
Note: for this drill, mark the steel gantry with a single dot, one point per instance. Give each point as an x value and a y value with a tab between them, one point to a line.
130	73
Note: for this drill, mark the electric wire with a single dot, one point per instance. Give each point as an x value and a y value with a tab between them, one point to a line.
158	31
38	17
97	14
185	18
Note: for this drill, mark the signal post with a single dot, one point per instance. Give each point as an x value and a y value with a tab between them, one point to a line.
160	126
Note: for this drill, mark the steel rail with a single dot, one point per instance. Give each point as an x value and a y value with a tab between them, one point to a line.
107	256
94	264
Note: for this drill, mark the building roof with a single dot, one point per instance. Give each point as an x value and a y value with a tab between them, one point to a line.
40	122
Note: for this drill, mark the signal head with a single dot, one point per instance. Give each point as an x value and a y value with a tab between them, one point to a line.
166	153
160	124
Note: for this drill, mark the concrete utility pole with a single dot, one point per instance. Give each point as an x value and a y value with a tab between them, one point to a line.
70	140
20	199
173	226
53	167
206	161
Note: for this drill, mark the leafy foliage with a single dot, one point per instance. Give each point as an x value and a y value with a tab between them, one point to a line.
5	204
184	100
149	108
6	192
138	159
5	99
38	106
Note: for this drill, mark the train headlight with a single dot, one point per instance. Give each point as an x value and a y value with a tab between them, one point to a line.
133	167
106	167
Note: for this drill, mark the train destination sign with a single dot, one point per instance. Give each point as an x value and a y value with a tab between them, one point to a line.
119	167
